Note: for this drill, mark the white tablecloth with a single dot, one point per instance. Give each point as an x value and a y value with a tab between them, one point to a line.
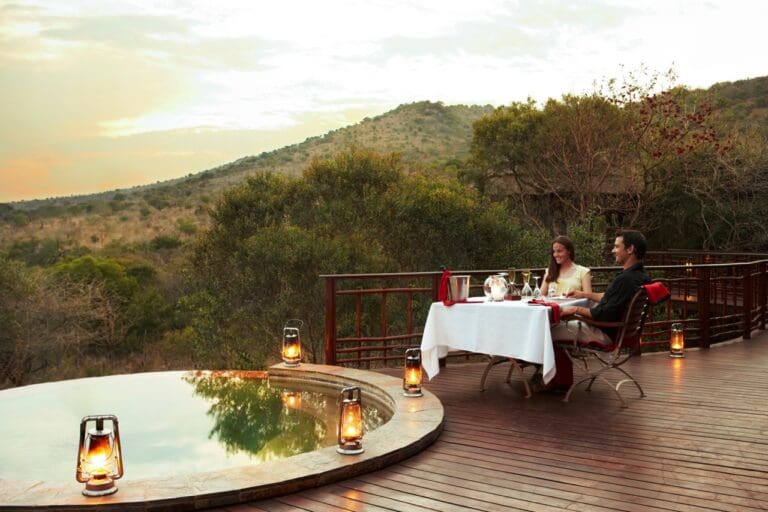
508	328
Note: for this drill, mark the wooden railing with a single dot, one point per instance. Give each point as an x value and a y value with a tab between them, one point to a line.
371	319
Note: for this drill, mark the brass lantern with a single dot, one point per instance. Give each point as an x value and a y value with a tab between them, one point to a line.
291	351
99	459
350	422
677	341
412	374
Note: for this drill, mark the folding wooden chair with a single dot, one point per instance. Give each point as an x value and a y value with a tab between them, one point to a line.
609	356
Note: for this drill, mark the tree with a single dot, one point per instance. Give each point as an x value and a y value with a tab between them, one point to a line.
426	223
502	144
556	164
46	323
674	138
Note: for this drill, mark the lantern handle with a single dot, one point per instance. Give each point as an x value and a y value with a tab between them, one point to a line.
291	322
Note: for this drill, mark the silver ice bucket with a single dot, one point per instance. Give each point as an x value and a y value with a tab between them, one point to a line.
458	288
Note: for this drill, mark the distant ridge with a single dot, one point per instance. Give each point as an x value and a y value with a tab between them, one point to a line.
421	132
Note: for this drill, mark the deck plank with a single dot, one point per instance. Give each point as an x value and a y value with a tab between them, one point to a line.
697	442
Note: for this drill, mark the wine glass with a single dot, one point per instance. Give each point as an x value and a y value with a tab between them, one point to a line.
537	290
552	290
527	293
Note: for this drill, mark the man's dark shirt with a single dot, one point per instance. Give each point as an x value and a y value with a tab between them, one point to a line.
618	294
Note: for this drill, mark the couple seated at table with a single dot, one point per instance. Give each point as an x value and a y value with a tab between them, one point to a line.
576	281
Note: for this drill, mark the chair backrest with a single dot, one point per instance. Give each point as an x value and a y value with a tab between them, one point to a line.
634	318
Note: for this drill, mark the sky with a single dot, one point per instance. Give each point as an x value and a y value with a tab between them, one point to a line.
101	94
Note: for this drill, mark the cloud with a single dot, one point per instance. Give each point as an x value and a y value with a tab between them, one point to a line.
85	78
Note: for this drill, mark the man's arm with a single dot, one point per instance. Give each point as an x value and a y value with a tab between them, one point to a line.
576	310
579	310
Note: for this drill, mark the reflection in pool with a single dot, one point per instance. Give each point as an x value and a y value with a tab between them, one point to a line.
171	423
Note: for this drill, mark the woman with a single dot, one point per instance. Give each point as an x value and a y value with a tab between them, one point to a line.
562	272
568	277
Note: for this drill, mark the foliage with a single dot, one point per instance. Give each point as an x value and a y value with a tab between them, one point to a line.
14	285
638	152
107	271
426	224
33	251
589	238
186	226
501	144
553	163
164	242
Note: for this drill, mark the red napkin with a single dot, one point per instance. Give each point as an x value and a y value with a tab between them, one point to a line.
656	292
442	291
554	305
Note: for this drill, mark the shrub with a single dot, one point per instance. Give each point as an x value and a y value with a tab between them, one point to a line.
162	242
186	226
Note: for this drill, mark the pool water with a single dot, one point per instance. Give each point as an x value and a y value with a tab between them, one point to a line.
171	423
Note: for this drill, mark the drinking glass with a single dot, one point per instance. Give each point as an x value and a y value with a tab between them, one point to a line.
527	293
536	290
552	290
526	276
513	290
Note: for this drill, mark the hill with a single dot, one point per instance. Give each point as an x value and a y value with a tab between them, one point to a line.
743	102
425	134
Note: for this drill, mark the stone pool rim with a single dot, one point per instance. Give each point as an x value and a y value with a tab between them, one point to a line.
414	425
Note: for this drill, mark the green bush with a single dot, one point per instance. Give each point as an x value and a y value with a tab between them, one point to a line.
186	226
35	252
164	242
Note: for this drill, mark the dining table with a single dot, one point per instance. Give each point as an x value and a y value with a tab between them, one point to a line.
515	329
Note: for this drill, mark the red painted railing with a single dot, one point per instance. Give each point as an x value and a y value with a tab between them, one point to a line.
371	319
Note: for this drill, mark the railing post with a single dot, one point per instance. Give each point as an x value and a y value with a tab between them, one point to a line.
436	287
330	320
384	325
761	294
703	300
746	301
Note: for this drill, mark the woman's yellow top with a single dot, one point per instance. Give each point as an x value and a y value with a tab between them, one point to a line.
571	282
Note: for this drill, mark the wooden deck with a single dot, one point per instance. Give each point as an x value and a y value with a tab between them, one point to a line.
698	441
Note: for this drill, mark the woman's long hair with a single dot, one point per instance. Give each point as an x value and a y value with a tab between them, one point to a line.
553	270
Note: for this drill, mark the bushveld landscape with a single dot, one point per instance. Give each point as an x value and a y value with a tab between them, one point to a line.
202	271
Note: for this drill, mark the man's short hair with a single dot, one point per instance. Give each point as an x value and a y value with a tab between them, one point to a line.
634	238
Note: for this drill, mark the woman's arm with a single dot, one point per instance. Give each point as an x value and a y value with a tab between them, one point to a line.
584	295
586	281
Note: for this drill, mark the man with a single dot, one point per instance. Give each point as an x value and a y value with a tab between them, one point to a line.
629	250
